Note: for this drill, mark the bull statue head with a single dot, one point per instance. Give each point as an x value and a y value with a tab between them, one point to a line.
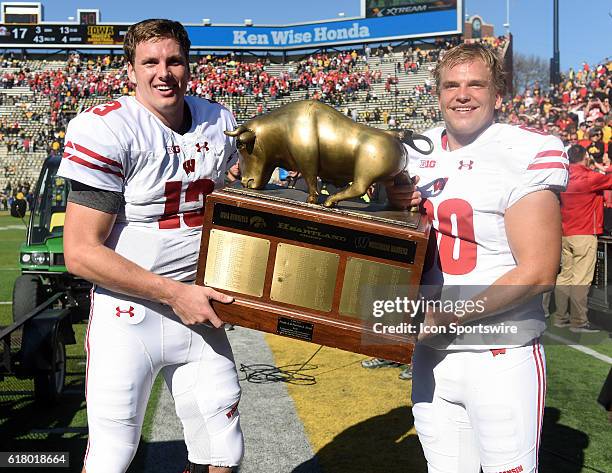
255	169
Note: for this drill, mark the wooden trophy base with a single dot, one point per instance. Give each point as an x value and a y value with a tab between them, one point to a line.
312	273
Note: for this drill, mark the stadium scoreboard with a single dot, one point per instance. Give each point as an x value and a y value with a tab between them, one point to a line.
380	21
58	35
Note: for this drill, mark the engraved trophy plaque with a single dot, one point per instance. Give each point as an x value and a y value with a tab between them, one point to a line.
312	273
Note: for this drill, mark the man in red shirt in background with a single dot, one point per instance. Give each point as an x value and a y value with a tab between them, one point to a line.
582	221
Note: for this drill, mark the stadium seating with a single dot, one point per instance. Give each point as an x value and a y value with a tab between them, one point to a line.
385	89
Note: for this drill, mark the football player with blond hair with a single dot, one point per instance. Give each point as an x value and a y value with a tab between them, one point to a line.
491	193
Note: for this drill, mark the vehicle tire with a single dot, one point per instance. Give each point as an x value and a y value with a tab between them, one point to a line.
49	386
27	294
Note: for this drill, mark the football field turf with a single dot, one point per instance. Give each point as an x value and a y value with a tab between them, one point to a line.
355	420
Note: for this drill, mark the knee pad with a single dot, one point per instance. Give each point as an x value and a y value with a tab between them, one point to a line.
110	453
447	444
423	422
505	443
212	438
499	432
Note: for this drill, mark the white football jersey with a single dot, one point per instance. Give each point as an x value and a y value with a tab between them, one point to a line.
164	176
466	193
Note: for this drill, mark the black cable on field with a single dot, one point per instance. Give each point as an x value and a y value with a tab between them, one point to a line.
260	373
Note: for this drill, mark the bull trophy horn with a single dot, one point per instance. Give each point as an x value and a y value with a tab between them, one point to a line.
409	136
235	132
244	134
244	137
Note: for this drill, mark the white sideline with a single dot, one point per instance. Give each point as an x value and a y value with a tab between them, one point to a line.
580	348
6	303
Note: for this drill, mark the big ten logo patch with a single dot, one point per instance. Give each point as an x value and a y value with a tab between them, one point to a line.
174	149
427	163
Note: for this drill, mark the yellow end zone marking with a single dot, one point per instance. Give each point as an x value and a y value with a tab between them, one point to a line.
356	419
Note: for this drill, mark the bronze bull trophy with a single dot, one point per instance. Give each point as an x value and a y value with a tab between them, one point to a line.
318	141
310	272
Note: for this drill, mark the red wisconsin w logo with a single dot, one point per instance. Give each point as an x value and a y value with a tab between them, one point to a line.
189	166
120	311
439	184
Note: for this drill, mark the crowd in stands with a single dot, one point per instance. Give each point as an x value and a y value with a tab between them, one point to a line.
576	110
332	78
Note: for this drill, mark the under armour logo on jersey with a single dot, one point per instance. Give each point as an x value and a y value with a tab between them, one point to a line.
189	166
465	164
200	147
120	311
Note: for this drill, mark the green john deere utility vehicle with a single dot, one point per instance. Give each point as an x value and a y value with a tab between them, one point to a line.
47	300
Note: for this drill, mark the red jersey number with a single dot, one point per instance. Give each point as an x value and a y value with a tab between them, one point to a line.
104	108
193	218
464	260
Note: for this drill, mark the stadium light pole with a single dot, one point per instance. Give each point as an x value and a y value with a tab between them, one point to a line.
507	23
555	61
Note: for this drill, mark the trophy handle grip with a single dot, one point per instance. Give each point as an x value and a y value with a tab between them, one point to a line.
409	137
402	179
